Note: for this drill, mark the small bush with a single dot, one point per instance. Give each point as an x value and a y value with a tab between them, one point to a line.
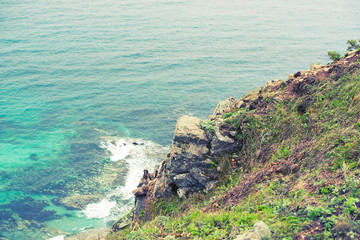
208	125
353	45
334	55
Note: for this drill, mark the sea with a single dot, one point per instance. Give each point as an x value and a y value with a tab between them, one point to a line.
90	91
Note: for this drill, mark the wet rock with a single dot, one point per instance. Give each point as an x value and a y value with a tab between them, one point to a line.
298	74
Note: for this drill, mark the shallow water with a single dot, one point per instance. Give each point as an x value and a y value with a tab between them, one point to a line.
78	75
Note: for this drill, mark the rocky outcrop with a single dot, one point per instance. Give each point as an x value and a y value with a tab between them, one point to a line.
189	167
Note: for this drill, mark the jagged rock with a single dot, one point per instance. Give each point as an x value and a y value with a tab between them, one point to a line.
260	231
226	105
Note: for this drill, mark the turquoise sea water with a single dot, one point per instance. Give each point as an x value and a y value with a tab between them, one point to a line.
81	81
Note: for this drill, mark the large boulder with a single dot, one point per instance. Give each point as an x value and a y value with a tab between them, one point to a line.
187	161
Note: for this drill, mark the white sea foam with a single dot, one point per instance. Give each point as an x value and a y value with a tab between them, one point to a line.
99	210
139	155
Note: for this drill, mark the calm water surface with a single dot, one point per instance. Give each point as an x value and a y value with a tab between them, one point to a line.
82	81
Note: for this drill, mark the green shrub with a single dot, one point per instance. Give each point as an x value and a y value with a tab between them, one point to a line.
353	45
334	55
208	125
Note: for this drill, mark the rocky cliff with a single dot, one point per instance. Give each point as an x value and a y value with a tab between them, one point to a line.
286	154
189	167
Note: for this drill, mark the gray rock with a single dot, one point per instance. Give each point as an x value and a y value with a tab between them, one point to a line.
249	236
185	180
221	144
188	128
260	231
199	176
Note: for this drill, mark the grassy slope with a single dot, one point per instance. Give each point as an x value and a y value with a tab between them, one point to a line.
298	170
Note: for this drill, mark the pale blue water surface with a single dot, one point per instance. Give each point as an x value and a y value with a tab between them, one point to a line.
80	81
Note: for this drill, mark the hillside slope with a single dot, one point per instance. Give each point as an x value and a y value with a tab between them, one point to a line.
295	165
